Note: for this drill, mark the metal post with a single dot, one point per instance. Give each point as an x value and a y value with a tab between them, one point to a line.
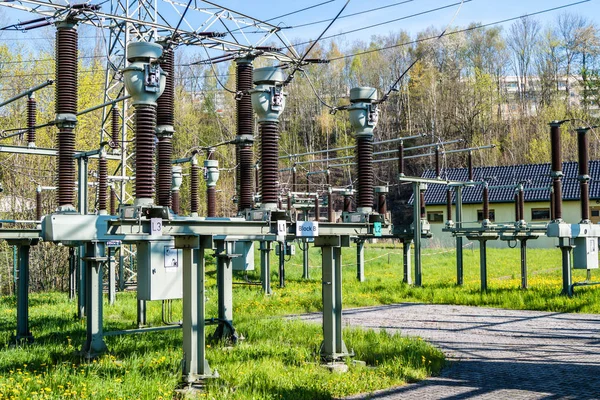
459	239
195	366
81	278
23	333
360	260
72	275
565	248
407	267
112	284
141	313
332	347
523	263
483	264
265	267
305	256
225	290
121	269
281	265
94	344
417	231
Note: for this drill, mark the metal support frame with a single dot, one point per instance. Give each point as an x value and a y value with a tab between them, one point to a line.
566	248
95	259
406	261
23	334
73	262
281	264
265	267
459	238
523	263
417	232
194	366
360	260
112	284
483	264
224	254
333	347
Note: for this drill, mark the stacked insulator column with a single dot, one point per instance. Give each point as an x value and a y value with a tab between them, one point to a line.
114	134
268	101
486	203
194	182
584	173
38	203
31	118
245	133
164	129
102	182
363	118
113	201
401	159
145	82
556	173
66	110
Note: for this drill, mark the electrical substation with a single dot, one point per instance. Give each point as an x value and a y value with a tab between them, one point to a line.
169	245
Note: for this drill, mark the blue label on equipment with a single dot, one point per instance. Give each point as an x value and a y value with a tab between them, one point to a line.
377	228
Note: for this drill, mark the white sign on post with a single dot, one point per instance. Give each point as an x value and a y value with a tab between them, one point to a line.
307	229
281	228
155	226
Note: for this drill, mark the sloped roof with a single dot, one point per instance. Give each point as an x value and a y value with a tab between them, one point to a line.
538	176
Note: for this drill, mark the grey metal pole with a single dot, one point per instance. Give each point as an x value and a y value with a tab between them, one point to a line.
417	231
141	313
81	278
360	260
94	344
265	267
566	266
459	239
340	347
73	262
112	284
225	249
281	265
406	256
305	259
523	263
121	269
483	264
23	333
195	365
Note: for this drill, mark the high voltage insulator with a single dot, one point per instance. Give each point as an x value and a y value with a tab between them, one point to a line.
245	133
194	182
31	118
165	129
102	182
115	119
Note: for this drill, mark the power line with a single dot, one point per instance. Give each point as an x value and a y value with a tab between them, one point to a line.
472	28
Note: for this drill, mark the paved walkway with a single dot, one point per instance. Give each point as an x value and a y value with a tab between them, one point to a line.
494	353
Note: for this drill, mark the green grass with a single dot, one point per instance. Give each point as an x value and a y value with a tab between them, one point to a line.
279	357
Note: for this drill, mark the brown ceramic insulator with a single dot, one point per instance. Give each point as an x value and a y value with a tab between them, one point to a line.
165	105
521	205
470	166
102	183
269	148
517	210
437	162
289	202
382	202
175	201
66	167
294	180
557	185
145	128
555	147
31	118
114	132
246	178
113	201
486	203
66	71
164	173
583	161
317	208
423	205
401	158
194	182
256	180
211	201
330	212
38	205
552	215
347	203
364	159
449	205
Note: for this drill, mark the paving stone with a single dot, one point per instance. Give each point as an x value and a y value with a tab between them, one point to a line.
494	353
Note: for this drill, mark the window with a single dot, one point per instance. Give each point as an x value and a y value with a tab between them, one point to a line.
435	217
480	215
595	214
540	214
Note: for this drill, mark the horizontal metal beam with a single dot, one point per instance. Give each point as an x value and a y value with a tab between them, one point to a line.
40	151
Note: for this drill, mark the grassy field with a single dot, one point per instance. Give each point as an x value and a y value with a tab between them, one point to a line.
279	358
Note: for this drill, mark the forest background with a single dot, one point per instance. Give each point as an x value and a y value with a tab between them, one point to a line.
485	85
